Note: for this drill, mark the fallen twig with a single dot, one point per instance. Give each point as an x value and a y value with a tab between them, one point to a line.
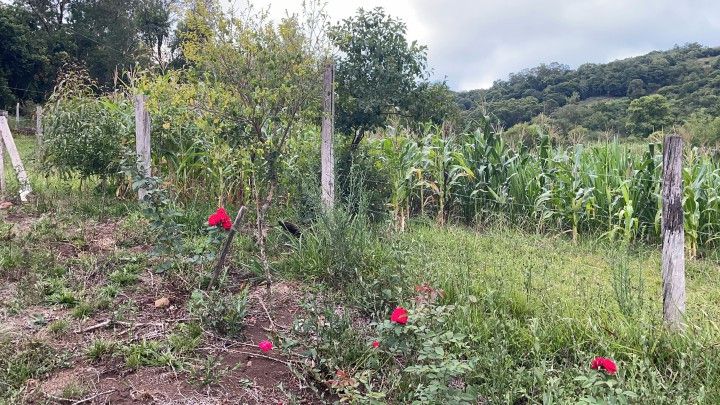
82	401
96	326
262	303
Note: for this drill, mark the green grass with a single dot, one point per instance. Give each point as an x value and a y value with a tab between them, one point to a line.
551	273
540	308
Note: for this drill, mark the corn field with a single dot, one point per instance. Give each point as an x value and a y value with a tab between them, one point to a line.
606	189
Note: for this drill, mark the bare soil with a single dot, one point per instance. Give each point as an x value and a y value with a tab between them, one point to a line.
242	373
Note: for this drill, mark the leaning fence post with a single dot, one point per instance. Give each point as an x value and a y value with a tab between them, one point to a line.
22	177
327	162
38	124
673	234
142	138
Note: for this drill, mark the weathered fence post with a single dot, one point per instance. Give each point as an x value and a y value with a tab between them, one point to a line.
673	234
3	113
327	160
22	177
2	168
17	115
38	124
142	138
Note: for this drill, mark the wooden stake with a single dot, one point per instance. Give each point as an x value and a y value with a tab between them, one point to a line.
38	124
7	138
327	160
673	234
226	247
142	138
17	115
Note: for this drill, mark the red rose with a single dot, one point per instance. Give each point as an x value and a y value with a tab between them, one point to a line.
265	346
375	344
399	315
220	218
603	363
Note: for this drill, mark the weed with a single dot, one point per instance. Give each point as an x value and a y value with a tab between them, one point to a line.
185	339
223	313
101	348
149	353
126	275
82	310
629	291
20	362
209	372
75	390
58	327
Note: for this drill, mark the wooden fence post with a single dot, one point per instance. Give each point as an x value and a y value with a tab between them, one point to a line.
7	138
17	115
673	234
327	160
38	124
142	138
2	169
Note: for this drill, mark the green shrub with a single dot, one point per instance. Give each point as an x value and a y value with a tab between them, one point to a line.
100	348
342	251
86	135
224	313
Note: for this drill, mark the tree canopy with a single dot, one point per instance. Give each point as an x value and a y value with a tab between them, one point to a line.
378	70
597	96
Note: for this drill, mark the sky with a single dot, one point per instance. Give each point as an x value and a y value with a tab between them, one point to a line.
471	43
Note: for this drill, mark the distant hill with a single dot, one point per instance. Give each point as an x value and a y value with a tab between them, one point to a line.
596	97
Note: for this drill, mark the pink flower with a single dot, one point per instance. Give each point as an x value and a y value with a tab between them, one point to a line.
399	315
265	346
603	363
375	344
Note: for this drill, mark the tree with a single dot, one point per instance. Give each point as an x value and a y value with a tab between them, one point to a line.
274	82
636	88
106	35
22	57
648	114
433	102
377	71
153	21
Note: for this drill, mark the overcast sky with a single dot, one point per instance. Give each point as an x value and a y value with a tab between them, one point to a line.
474	42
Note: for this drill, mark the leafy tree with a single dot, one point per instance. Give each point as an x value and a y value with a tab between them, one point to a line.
106	35
433	102
636	88
274	82
22	57
377	71
648	114
153	20
703	129
687	76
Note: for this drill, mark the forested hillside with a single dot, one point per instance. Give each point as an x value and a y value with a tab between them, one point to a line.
634	96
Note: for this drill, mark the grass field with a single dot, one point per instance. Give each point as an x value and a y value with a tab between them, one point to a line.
512	317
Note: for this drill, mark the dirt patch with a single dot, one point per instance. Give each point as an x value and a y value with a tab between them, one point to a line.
219	371
239	373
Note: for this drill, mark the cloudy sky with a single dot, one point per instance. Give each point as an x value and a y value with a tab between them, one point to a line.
473	42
